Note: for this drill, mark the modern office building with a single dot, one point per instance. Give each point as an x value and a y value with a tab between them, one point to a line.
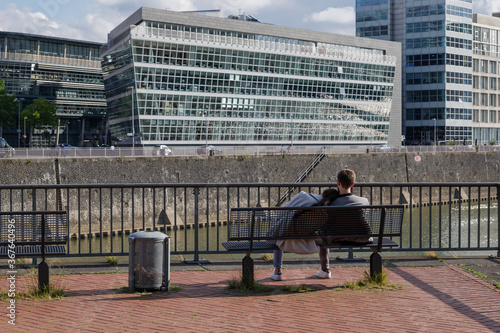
443	44
65	71
186	79
486	79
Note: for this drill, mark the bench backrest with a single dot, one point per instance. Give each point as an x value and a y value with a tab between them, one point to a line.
27	227
312	222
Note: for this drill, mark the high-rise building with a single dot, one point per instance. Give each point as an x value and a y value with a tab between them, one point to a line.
486	79
436	38
442	44
187	79
65	71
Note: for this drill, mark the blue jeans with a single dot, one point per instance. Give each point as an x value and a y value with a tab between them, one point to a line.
324	258
278	259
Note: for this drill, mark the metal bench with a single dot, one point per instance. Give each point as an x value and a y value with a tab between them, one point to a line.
33	234
251	229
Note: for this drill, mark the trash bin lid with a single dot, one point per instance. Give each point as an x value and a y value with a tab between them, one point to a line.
151	235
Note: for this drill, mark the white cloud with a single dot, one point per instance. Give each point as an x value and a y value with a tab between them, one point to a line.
26	21
486	7
343	15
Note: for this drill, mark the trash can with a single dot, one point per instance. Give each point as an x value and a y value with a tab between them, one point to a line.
149	261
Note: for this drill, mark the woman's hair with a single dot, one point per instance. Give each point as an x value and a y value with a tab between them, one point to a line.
329	196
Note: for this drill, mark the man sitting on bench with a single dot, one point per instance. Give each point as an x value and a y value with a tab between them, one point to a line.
345	181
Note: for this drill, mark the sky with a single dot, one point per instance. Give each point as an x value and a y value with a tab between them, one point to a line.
91	20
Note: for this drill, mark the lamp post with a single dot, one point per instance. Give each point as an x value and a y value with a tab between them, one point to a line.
435	132
25	131
206	132
67	133
133	127
291	131
19	100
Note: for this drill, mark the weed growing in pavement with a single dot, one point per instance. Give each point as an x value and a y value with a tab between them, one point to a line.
482	276
378	282
303	288
431	254
52	291
112	260
248	286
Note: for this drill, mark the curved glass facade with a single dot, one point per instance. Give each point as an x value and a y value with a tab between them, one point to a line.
193	83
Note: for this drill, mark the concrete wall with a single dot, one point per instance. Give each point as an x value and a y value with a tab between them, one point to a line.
381	167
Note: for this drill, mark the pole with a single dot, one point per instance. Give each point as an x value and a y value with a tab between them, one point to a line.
25	131
133	128
19	100
206	133
291	130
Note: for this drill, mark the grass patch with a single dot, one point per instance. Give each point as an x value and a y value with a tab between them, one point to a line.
112	260
482	276
431	254
378	282
53	291
248	286
303	288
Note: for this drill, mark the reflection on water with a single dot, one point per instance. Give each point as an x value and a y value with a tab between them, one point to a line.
440	228
180	240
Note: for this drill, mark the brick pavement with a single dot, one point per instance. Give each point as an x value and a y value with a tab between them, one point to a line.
434	299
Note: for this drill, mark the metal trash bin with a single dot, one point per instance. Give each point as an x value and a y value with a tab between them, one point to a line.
149	261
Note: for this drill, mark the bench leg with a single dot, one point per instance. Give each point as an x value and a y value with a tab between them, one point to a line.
375	264
247	272
43	276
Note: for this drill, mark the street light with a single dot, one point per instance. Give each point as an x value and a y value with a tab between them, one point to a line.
25	131
133	127
206	133
435	132
19	100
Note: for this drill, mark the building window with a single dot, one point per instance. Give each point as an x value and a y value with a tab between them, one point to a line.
484	82
493	83
493	67
493	116
484	99
484	66
493	100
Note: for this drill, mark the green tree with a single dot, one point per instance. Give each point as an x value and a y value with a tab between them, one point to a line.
40	113
8	108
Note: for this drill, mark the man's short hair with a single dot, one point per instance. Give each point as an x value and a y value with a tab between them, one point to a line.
347	178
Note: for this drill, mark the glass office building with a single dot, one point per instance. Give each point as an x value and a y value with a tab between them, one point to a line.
186	78
65	71
444	47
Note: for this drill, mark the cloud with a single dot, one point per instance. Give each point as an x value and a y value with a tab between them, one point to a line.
486	7
27	21
343	15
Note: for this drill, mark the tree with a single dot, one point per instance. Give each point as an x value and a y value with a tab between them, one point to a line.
8	108
40	113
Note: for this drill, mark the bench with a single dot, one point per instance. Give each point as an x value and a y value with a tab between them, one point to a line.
251	229
33	234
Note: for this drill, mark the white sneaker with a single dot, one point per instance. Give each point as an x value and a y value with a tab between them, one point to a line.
324	275
276	276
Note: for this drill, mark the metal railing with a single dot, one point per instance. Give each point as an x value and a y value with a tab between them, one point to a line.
449	217
149	151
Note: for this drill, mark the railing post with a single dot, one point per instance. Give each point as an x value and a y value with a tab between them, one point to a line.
498	221
196	260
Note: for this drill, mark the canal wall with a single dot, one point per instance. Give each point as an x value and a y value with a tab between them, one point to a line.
96	217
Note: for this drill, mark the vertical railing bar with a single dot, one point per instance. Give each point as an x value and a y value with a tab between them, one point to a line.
79	221
498	220
479	216
449	217
111	220
174	231
90	220
381	194
460	216
46	200
440	217
196	223
469	215
420	216
67	231
154	210
143	209
22	197
133	210
122	219
100	220
430	216
218	219
228	208
411	216
208	217
489	217
165	209
185	218
391	195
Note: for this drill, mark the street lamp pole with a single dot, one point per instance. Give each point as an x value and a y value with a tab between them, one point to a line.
435	132
25	131
19	100
133	127
291	131
206	132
